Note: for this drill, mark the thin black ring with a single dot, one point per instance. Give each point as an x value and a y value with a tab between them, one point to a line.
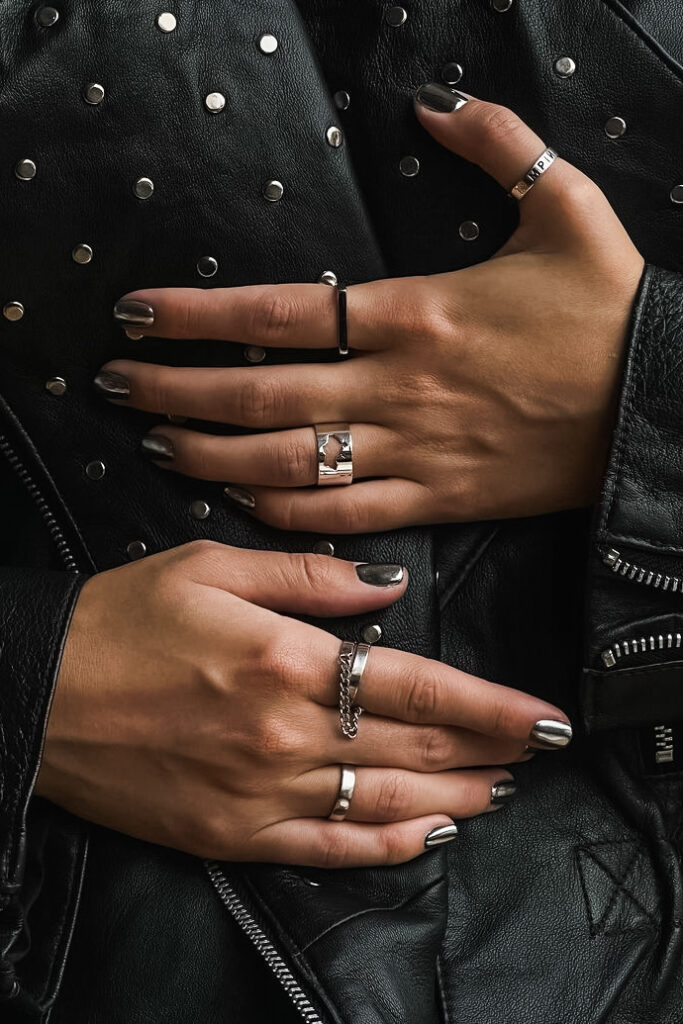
343	343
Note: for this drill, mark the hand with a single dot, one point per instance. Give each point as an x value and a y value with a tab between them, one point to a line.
485	393
190	711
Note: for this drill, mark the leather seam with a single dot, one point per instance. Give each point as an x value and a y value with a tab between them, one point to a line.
647	40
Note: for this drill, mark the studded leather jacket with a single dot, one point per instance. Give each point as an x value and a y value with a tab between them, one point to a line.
569	906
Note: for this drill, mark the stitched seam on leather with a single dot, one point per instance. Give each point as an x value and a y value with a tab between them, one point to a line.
645	672
466	569
647	41
620	884
446	1017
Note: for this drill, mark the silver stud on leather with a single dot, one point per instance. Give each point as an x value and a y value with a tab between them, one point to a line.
615	127
329	277
342	99
47	16
166	22
501	5
469	230
13	311
396	16
25	169
254	354
93	93
273	191
207	266
676	194
267	43
371	634
215	102
564	67
324	547
81	253
200	510
136	549
56	386
452	73
334	136
95	470
144	188
409	166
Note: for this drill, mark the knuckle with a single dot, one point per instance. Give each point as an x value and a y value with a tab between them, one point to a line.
392	845
498	124
202	550
272	738
392	798
314	572
353	517
436	751
335	851
255	400
273	317
294	461
280	663
421	700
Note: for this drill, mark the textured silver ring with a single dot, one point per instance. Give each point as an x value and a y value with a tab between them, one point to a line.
347	785
334	469
545	160
360	660
349	713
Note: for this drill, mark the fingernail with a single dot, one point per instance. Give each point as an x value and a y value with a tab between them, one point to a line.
503	791
240	496
550	735
112	385
131	311
442	834
377	575
157	446
441	98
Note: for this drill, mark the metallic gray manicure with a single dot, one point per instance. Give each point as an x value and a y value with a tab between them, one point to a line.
503	791
130	311
550	735
241	497
441	98
442	834
157	446
378	575
112	385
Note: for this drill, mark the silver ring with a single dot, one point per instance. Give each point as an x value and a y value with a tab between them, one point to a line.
347	785
349	713
545	160
360	660
337	469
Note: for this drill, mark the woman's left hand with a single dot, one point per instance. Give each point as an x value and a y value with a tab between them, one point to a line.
488	392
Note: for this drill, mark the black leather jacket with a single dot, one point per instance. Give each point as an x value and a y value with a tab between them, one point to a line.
566	907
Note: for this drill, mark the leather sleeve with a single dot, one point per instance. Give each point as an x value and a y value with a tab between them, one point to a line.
634	653
36	606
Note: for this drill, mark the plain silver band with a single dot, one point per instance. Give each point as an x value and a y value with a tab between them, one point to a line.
545	160
342	471
360	660
345	793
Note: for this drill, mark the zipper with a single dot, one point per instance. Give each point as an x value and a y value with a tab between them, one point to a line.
48	516
626	648
263	945
658	580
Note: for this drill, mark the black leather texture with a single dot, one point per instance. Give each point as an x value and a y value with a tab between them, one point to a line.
567	906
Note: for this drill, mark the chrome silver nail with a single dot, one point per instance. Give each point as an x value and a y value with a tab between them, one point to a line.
131	311
157	446
112	385
240	496
442	834
441	98
503	791
551	735
379	575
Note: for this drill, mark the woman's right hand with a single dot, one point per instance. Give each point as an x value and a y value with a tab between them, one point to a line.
190	711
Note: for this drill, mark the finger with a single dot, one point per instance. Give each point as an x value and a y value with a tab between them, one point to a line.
382	795
368	507
285	459
315	842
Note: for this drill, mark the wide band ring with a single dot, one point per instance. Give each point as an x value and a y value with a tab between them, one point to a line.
545	160
333	471
347	785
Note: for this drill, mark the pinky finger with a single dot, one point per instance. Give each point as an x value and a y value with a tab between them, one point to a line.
319	843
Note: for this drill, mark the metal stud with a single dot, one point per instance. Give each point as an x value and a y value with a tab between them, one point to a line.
452	73
565	67
93	93
676	194
254	354
56	386
133	335
267	43
273	191
371	634
200	510
342	99
501	5
207	266
144	188
136	549
82	253
469	230
215	102
324	547
410	166
13	311
334	136
615	127
25	169
95	470
329	277
47	16
166	22
396	16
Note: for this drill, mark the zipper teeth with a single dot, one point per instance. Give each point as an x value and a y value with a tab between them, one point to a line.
29	483
263	945
658	580
654	642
